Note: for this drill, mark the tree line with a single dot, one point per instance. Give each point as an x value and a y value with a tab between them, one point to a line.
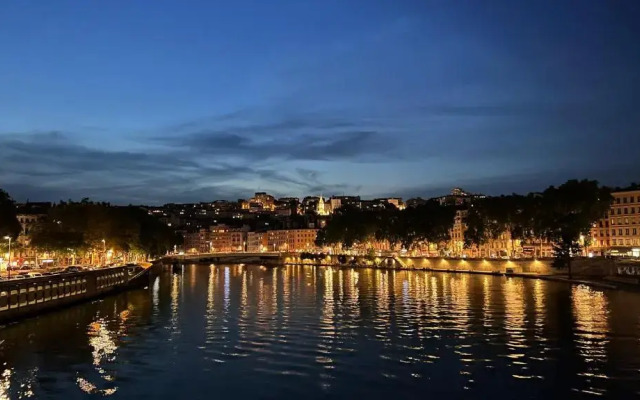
82	227
559	215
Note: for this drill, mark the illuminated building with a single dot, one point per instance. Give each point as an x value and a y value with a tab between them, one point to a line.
257	242
291	239
322	207
397	202
261	201
619	232
224	239
500	247
197	242
458	197
340	201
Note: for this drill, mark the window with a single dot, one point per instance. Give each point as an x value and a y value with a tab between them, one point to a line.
614	242
613	232
620	232
601	234
626	231
635	231
626	210
618	200
600	223
633	210
619	211
624	200
626	220
606	223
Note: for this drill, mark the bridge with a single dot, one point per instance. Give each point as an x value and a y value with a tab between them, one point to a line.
235	257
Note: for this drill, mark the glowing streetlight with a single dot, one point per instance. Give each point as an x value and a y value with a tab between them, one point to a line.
9	261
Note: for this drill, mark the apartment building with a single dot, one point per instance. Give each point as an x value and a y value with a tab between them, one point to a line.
619	232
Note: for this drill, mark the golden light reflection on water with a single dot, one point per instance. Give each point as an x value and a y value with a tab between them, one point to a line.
486	303
175	296
5	384
540	309
104	349
514	324
591	313
330	327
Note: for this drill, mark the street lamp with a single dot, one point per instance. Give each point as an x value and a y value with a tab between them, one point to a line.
104	252
9	261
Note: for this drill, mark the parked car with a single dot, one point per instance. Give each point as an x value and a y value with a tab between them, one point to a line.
34	274
73	269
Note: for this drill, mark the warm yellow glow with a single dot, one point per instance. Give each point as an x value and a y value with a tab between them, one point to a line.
591	312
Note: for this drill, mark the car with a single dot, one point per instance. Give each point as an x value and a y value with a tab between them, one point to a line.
34	274
48	273
73	269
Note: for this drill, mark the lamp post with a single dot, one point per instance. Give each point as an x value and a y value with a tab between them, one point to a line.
9	261
104	252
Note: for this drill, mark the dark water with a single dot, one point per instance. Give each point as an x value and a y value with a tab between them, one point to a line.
303	332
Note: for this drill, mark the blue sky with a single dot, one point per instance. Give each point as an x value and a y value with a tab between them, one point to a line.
150	102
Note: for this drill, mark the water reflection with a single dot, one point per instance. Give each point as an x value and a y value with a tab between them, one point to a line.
313	332
591	313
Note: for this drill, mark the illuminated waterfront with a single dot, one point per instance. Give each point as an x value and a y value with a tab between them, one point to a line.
290	332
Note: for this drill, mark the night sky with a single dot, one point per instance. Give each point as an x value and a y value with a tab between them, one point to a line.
157	101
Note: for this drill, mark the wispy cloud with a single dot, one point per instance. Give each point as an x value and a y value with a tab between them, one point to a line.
300	137
51	166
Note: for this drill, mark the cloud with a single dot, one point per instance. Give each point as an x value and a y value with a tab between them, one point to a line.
306	137
50	166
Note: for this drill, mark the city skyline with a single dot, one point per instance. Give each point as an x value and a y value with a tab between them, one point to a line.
130	103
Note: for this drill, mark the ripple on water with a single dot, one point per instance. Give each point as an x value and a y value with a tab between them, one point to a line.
309	332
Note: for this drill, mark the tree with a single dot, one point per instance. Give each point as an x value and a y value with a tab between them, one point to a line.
83	226
350	225
487	219
569	211
9	225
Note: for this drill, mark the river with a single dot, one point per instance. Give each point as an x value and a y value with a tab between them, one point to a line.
247	332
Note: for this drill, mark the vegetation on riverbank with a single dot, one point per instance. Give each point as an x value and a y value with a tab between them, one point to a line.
560	215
